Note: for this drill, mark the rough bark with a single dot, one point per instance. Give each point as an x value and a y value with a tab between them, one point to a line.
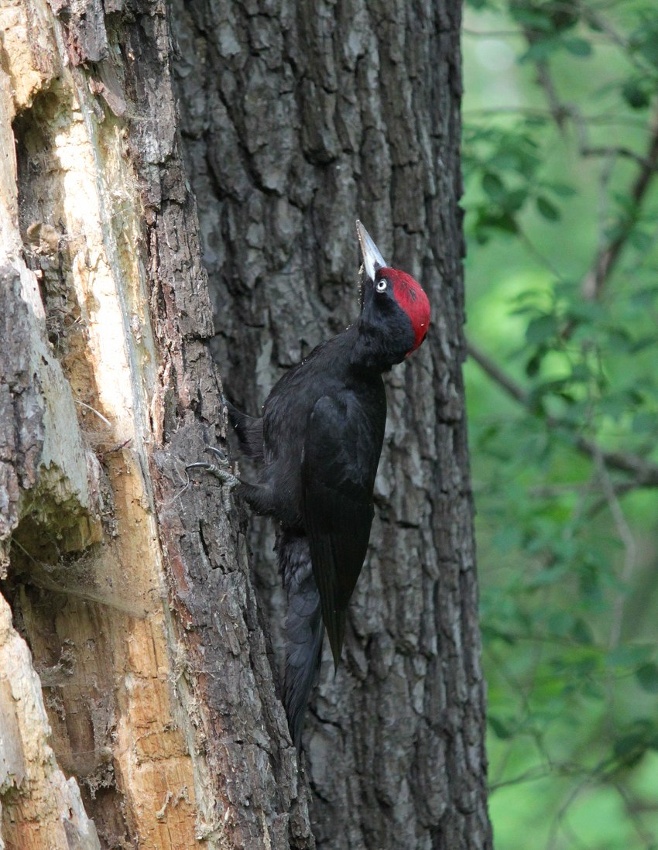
129	583
298	119
130	586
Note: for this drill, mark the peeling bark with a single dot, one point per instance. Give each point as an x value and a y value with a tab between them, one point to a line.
150	679
137	612
39	807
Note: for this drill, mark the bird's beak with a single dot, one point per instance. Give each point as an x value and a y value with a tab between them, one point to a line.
372	259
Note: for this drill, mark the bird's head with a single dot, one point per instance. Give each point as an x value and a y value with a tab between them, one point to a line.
395	312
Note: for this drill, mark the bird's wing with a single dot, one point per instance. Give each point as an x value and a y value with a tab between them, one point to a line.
339	464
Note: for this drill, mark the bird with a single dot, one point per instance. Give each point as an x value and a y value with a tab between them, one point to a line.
317	447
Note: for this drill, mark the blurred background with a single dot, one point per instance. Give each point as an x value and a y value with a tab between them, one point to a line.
561	200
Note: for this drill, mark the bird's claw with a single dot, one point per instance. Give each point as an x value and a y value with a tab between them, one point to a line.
220	453
219	470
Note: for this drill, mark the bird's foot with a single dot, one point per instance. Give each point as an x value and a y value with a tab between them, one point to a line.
220	470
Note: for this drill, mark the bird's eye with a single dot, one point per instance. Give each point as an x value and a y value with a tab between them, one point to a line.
381	285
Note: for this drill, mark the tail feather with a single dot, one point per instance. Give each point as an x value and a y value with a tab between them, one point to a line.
249	430
304	629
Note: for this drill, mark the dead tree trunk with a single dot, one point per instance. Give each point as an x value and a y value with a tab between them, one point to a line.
145	711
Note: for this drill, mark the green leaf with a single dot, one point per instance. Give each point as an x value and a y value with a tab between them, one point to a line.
644	422
507	538
500	728
584	312
493	186
629	655
541	50
532	18
641	240
514	200
490	633
640	344
647	677
496	221
533	365
645	42
540	329
635	94
578	46
547	209
645	297
562	190
629	750
582	633
640	737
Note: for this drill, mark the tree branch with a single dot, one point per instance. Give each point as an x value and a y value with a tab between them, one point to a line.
644	472
497	375
559	111
621	151
608	255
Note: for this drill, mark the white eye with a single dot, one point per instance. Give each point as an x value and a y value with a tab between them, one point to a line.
381	285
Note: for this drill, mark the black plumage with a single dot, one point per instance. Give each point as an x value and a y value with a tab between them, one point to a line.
317	446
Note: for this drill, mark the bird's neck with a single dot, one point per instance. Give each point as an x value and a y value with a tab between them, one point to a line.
370	350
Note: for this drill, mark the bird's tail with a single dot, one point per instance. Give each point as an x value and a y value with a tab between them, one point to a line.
304	628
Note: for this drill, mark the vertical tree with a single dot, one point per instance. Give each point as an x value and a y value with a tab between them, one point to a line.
129	582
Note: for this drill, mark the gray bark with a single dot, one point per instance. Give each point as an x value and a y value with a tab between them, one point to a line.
296	120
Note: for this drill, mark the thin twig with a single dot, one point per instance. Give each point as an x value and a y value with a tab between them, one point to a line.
602	118
607	257
620	488
631	806
644	472
490	368
558	820
630	549
537	254
559	111
621	151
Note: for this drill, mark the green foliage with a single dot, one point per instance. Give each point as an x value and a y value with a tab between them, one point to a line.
506	163
561	174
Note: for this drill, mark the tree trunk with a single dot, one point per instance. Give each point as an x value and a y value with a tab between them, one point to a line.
156	648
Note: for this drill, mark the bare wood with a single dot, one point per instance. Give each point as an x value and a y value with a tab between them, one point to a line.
130	655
